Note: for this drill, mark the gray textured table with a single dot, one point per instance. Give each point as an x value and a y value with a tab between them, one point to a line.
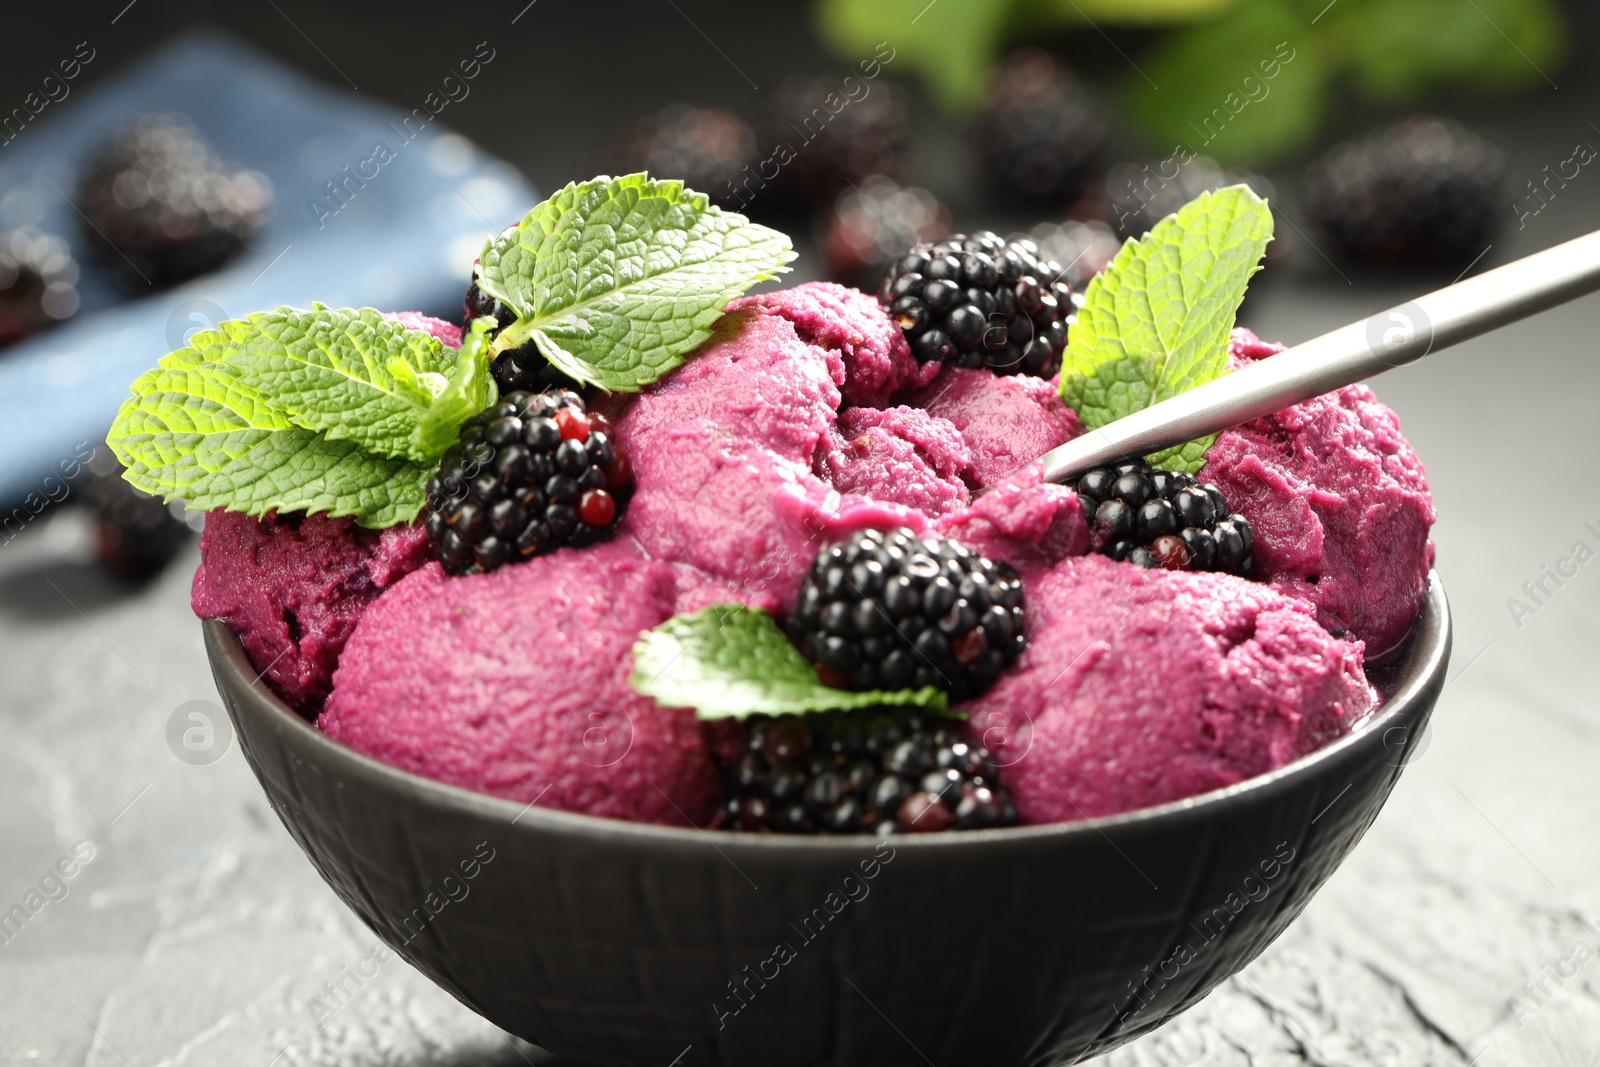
1465	929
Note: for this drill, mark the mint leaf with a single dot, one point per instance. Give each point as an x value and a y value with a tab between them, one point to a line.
731	661
468	390
350	375
617	279
194	429
1156	322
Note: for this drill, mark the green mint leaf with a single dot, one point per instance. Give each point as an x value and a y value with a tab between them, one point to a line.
1156	322
421	388
195	429
616	280
730	661
350	375
468	390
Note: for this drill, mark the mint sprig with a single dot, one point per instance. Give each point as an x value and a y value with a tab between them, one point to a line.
732	661
345	412
468	389
336	411
349	375
1157	321
617	279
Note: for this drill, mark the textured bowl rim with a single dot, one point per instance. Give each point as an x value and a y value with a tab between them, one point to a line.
1431	637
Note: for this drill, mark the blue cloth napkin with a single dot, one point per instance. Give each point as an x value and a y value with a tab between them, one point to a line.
403	239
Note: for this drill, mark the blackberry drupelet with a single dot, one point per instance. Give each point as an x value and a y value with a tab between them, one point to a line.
38	282
822	152
1157	518
978	301
529	475
164	208
872	226
1424	192
1042	131
521	369
873	771
706	149
896	611
135	534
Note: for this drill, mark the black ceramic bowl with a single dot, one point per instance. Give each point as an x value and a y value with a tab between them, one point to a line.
622	944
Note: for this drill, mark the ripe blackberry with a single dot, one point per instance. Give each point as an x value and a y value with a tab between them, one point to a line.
522	369
706	149
1042	130
1136	196
1424	192
1086	247
1158	518
895	611
828	151
874	771
38	283
135	534
529	475
874	225
977	301
168	207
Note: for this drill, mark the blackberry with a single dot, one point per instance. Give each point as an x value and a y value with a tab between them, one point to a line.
977	301
135	534
829	151
874	225
529	475
1042	131
1424	192
518	370
1157	518
1086	247
895	611
874	771
38	283
708	150
168	207
1136	196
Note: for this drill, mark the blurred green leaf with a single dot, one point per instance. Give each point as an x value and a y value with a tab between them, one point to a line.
1402	48
1121	12
1246	88
950	43
1391	50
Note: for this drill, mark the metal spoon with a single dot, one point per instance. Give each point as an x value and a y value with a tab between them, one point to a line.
1349	354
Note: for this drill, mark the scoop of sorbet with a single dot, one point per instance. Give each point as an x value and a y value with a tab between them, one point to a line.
515	683
293	586
1141	687
1339	503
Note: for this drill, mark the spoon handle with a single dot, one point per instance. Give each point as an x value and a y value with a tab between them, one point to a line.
1349	354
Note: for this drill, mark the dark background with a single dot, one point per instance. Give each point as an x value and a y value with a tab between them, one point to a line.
574	72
